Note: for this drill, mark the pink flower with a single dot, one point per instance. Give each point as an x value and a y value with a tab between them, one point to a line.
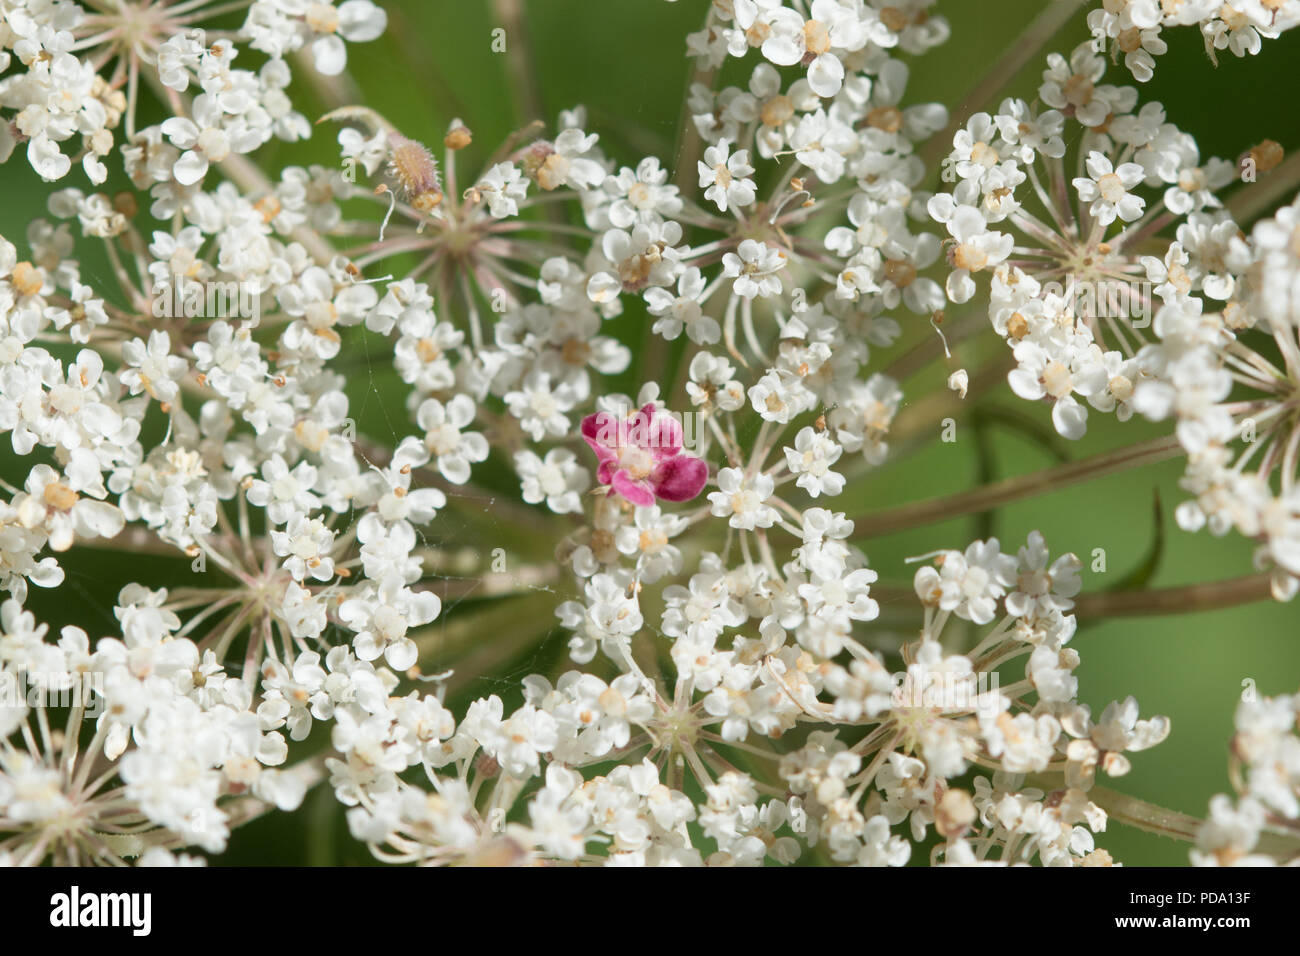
641	456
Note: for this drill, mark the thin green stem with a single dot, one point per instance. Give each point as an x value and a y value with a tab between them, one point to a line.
1015	489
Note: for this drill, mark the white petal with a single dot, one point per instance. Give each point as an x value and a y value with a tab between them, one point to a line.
960	286
190	168
402	654
1070	419
782	51
1025	384
826	75
330	54
603	287
361	21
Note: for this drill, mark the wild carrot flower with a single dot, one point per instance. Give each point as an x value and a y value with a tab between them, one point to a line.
640	456
341	408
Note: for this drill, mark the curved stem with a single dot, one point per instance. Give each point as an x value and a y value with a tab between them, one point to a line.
1207	596
1010	490
1145	816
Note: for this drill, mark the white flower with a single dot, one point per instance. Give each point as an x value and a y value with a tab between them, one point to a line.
727	176
712	382
641	195
1107	189
790	40
47	159
515	742
453	450
1230	834
383	617
557	479
821	143
278	27
1024	743
203	139
976	248
539	407
683	311
754	265
282	492
566	163
370	152
357	21
503	186
399	503
321	538
1059	375
1073	85
968	584
153	369
779	397
647	540
305	545
1040	589
386	550
742	499
811	458
59	506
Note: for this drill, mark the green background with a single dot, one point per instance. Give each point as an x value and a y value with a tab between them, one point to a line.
625	61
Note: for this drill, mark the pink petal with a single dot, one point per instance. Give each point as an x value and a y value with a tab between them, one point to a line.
680	478
637	492
638	427
601	431
665	437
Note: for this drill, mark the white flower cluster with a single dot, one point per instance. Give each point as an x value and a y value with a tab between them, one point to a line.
1212	379
1266	774
1078	305
177	752
1133	27
924	726
76	61
732	702
1071	300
